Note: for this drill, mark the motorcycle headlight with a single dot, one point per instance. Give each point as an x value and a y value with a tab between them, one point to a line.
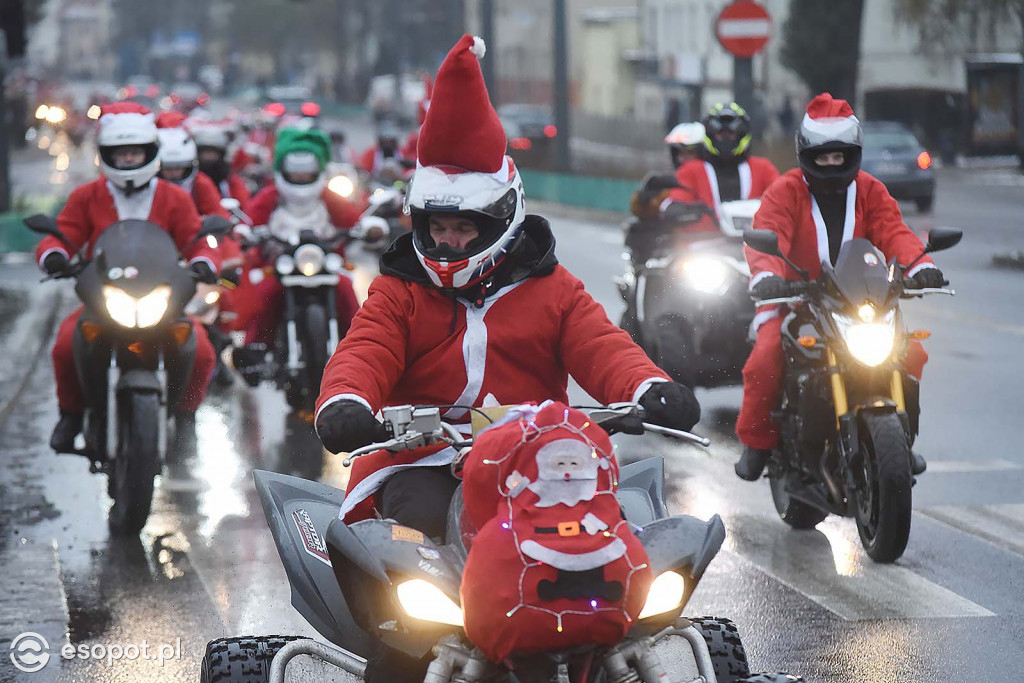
285	264
333	263
120	306
151	308
309	259
341	185
423	600
705	275
665	595
869	343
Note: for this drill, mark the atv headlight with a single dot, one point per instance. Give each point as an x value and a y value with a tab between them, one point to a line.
706	275
120	306
285	264
423	600
869	343
665	595
151	308
309	259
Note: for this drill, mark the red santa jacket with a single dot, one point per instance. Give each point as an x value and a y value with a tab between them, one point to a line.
207	197
700	182
372	159
343	213
91	208
409	150
790	211
235	188
412	344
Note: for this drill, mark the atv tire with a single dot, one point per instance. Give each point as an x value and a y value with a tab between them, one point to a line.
772	678
245	659
726	648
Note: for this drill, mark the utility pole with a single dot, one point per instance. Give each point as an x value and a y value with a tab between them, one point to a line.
563	160
487	64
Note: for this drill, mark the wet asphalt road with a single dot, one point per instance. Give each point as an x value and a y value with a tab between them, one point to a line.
952	609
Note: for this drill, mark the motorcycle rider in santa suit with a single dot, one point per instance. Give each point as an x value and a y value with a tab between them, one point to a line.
815	209
128	189
471	309
726	170
179	164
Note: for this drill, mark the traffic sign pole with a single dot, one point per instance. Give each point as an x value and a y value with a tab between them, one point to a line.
743	28
743	82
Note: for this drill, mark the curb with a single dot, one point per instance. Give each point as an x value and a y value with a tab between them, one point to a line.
1013	260
44	328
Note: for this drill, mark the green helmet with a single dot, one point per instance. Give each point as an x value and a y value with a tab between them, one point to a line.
289	140
727	131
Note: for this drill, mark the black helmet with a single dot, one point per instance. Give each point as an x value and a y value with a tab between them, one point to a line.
829	126
727	132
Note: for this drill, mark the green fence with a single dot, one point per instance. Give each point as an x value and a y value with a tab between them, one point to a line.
607	194
14	236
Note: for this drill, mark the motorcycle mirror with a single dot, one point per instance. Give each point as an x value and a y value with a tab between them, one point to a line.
214	225
46	225
230	204
764	241
942	238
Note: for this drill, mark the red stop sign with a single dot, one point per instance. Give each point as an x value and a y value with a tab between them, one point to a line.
743	28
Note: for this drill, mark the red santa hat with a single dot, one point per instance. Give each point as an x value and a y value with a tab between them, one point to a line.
170	119
461	127
831	119
125	123
824	106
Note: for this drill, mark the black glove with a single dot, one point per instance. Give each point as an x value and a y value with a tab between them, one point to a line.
928	278
772	287
344	426
671	405
203	272
684	213
55	263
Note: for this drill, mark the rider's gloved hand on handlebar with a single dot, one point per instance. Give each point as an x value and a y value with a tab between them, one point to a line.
344	426
56	262
203	272
671	405
772	287
928	278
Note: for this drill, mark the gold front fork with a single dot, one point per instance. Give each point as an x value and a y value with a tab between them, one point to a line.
896	391
838	387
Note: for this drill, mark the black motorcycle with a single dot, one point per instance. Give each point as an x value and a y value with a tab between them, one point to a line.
134	351
850	411
686	296
308	269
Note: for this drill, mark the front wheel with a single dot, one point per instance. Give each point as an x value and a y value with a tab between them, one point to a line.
727	653
241	660
883	503
314	349
137	462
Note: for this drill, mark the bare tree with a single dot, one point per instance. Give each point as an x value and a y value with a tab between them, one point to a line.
942	23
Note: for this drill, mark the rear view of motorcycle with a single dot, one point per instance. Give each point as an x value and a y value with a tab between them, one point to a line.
686	294
134	350
377	581
850	410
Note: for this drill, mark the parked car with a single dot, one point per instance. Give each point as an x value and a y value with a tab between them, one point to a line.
535	122
895	156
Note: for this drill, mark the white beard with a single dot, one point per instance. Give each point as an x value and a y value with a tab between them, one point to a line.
554	491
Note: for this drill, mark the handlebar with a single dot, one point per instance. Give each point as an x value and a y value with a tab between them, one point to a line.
417	427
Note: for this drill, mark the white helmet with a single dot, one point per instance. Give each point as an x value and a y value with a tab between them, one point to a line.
297	194
122	126
178	150
206	135
495	202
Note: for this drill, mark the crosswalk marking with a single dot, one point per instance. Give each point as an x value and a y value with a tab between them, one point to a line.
1002	525
965	466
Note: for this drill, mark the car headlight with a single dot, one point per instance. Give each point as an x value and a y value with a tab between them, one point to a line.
869	343
665	595
341	185
128	311
333	263
423	600
309	259
706	275
285	264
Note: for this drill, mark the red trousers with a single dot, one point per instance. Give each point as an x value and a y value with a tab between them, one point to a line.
762	384
260	306
69	390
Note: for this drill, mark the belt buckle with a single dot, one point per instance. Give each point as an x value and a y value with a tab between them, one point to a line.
568	528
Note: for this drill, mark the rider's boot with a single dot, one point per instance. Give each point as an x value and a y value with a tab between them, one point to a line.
68	427
918	463
751	464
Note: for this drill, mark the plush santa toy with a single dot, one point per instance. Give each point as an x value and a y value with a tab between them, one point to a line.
553	564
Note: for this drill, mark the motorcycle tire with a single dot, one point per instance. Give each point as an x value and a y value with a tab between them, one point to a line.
727	653
137	462
245	659
793	512
674	350
882	507
314	349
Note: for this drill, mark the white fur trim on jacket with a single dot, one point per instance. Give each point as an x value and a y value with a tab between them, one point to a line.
645	385
574	562
848	224
342	397
50	251
918	268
